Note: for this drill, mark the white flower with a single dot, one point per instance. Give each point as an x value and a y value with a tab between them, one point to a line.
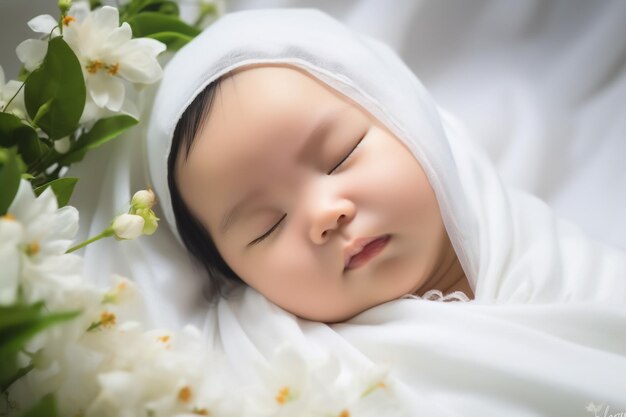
7	91
32	51
10	238
47	234
293	385
106	51
48	229
124	300
141	205
128	226
143	199
108	54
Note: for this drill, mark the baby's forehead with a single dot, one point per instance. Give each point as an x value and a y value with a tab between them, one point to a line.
262	98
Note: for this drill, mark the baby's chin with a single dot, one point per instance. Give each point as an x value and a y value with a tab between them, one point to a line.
325	315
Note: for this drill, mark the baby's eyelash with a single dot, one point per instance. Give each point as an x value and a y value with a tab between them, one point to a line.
269	232
345	158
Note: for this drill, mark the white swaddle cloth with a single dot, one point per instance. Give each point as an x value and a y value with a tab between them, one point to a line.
546	333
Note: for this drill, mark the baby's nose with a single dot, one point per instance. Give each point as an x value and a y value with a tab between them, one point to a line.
330	218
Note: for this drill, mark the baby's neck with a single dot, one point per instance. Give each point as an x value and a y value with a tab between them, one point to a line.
449	277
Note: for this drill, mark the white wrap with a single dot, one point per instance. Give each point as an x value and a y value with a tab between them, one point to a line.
546	333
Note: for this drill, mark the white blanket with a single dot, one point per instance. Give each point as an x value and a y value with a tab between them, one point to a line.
546	334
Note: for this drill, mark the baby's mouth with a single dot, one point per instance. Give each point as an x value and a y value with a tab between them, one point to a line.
363	251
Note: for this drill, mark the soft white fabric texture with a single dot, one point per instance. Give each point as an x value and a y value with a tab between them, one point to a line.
545	335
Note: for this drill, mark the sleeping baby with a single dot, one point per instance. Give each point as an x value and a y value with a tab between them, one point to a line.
280	182
306	161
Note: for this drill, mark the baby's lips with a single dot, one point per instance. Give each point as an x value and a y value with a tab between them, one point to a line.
355	247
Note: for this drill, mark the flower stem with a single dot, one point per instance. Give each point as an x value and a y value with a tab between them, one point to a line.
20	373
106	233
6	106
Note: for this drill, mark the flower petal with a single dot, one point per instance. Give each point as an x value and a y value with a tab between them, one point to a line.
107	18
44	23
116	94
138	60
10	238
25	207
117	37
91	113
17	107
98	85
80	10
32	52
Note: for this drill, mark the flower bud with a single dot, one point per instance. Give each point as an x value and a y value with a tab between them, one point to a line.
128	226
143	199
151	222
62	145
64	6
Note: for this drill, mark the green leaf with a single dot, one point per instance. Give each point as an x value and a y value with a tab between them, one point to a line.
18	323
9	177
173	40
59	81
12	130
46	407
102	131
17	314
149	23
14	336
32	149
63	188
135	7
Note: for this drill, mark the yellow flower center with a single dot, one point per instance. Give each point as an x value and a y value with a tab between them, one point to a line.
107	319
32	248
163	339
184	395
113	69
8	217
284	395
201	411
344	413
68	19
94	66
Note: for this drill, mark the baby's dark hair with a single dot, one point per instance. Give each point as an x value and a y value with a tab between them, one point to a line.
194	235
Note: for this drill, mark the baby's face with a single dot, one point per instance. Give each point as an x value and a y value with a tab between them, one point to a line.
292	179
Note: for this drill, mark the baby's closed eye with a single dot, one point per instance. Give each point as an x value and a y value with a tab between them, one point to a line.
347	156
